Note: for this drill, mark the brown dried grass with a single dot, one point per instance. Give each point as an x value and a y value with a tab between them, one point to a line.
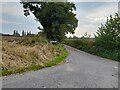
16	56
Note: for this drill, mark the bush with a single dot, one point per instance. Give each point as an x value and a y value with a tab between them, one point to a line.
89	46
108	35
108	38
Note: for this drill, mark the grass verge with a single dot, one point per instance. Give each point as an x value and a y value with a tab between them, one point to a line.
56	60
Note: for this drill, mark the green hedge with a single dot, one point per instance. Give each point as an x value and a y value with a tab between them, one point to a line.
89	46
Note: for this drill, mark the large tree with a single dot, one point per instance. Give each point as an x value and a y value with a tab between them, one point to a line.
57	18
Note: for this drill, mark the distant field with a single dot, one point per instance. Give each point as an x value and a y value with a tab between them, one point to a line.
10	38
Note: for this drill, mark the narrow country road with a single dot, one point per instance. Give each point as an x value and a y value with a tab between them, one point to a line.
81	70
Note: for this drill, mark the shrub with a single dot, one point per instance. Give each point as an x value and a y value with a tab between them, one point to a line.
89	46
108	35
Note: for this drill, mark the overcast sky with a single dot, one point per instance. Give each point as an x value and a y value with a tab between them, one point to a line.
89	14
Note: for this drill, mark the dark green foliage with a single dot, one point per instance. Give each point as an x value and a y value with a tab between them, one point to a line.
108	35
23	33
57	18
82	44
89	45
75	37
15	33
29	33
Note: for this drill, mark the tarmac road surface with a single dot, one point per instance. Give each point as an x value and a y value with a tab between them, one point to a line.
81	70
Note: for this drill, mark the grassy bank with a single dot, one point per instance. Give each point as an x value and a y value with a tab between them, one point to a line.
54	61
57	59
30	53
88	45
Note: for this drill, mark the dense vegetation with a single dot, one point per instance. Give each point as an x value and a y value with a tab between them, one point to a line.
56	18
108	35
20	54
106	43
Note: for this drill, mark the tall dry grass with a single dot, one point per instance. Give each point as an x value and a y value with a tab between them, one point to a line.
15	55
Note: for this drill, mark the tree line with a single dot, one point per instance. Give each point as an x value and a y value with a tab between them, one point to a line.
16	33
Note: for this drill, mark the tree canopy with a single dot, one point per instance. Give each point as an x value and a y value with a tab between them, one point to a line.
57	18
16	33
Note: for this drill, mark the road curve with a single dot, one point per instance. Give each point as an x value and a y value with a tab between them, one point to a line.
81	70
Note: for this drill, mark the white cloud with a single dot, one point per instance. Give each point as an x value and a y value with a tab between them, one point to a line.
13	18
99	19
90	20
94	0
10	22
67	0
12	8
10	0
104	11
